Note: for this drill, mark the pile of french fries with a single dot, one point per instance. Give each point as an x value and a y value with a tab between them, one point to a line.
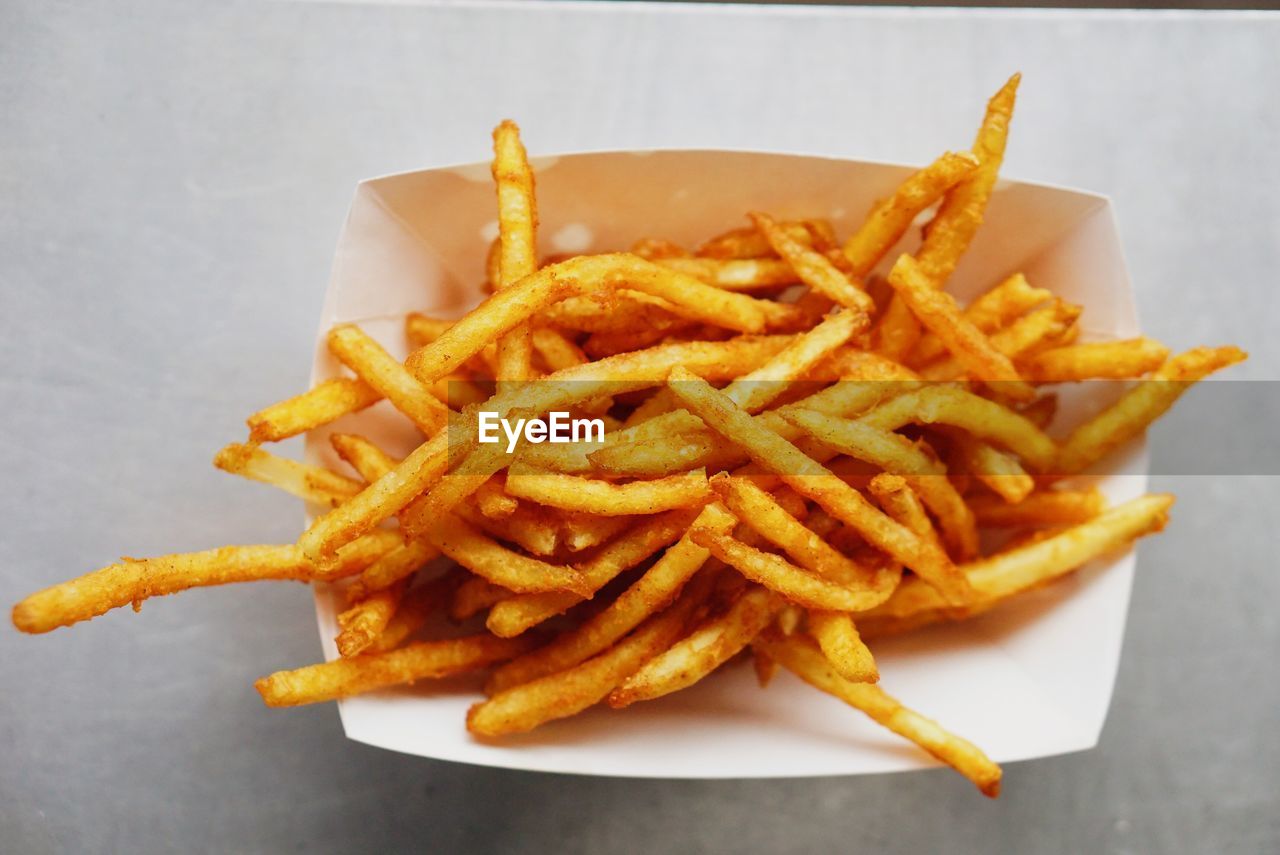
800	456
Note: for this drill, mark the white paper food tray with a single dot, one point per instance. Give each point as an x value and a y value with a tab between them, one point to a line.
1032	679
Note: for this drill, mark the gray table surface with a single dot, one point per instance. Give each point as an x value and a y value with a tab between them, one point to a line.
172	177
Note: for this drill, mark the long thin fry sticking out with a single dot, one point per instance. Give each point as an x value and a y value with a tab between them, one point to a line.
517	240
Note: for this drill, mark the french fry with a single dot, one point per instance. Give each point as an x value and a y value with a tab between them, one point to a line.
878	445
707	648
420	330
475	595
649	594
1038	330
999	577
517	250
491	499
1112	360
814	268
380	500
779	575
747	274
802	657
511	306
591	496
1131	415
485	557
523	707
134	580
844	649
890	218
748	242
416	606
517	614
766	516
652	249
900	502
310	483
364	621
327	402
808	477
372	364
983	418
423	660
583	531
993	309
757	389
952	229
362	455
937	311
399	563
999	471
533	529
1050	507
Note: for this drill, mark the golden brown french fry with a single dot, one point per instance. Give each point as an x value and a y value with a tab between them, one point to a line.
900	502
524	707
511	306
491	499
760	511
416	606
517	250
807	477
746	274
364	621
533	529
399	563
802	657
757	389
474	596
938	312
779	575
845	650
999	471
952	229
134	580
485	557
380	500
996	308
649	594
879	446
748	242
1036	331
1001	576
328	401
1050	507
517	614
814	268
1114	360
372	364
423	660
890	218
1142	405
362	455
583	531
309	483
707	648
981	417
652	249
421	330
592	496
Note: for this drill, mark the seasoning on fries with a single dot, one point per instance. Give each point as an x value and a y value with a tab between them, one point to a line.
791	461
